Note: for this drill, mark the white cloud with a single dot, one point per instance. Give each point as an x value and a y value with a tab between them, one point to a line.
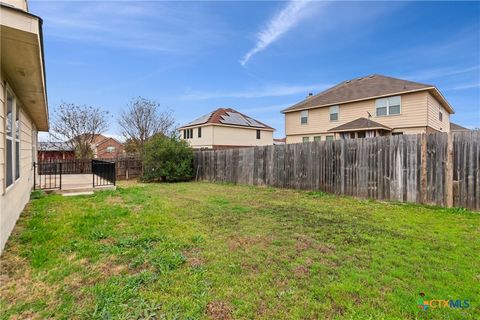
269	91
439	73
282	22
464	86
149	26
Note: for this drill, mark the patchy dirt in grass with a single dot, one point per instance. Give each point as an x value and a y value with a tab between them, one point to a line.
194	258
108	267
301	271
22	287
250	267
219	310
245	243
304	243
115	200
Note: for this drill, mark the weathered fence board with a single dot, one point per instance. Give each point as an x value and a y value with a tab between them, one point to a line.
437	169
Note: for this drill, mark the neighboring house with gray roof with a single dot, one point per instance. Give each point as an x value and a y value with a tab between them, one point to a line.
370	106
457	128
226	128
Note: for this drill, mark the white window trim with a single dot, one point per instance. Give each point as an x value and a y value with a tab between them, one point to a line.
8	90
330	113
301	117
388	107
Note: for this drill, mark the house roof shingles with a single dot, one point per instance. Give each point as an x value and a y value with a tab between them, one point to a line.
228	116
457	127
360	124
364	88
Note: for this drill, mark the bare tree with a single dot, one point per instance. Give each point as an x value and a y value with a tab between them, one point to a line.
78	126
142	120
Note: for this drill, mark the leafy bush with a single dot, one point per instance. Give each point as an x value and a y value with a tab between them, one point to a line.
167	159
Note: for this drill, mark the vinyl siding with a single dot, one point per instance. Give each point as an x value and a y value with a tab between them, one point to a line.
14	198
213	135
413	114
241	137
434	107
205	141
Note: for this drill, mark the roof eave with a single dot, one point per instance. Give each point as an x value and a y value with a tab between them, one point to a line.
288	110
360	129
225	125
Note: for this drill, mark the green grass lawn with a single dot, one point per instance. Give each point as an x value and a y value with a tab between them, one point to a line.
220	251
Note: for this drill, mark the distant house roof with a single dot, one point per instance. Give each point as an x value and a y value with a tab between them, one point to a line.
54	146
366	88
360	124
457	127
280	141
228	116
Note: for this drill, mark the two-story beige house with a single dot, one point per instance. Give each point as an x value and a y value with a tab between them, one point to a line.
226	128
23	108
370	106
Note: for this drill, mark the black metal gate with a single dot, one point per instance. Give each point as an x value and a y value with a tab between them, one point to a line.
47	175
51	175
103	173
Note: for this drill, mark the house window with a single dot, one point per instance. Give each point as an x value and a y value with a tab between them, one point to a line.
12	140
397	133
304	117
34	146
388	106
328	138
305	139
110	149
258	134
440	116
9	119
334	113
317	138
200	132
17	141
188	134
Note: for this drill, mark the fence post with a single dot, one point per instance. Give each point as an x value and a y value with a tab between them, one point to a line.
60	176
34	175
423	170
449	173
126	169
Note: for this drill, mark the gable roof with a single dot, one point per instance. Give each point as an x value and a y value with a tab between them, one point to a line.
457	127
54	146
366	88
360	124
230	117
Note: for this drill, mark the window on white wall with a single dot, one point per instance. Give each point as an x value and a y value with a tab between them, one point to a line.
388	106
440	116
334	113
34	146
305	139
17	142
9	136
304	117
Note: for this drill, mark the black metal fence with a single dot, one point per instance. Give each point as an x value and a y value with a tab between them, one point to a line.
103	173
50	175
47	175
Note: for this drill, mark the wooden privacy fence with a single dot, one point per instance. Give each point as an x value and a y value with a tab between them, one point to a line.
440	169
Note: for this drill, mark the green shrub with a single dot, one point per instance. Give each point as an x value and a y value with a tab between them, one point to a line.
167	159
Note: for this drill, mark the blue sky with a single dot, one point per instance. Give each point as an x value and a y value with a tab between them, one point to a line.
256	57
